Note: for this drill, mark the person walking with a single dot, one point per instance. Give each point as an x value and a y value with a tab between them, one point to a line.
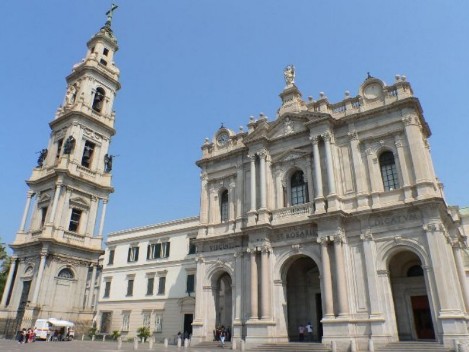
222	337
309	330
301	333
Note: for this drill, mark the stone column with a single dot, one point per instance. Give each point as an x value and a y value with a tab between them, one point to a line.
375	175
279	189
461	274
240	190
371	273
340	275
319	199
42	264
231	201
58	187
358	169
253	183
26	210
204	198
262	179
265	287
309	178
103	215
403	166
92	284
92	215
326	279
254	293
9	282
199	291
329	166
238	285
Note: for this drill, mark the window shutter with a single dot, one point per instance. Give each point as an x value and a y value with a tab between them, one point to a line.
148	251
136	253
128	255
158	250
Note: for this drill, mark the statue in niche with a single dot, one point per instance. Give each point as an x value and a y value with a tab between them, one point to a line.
71	95
289	75
42	157
288	126
108	163
69	145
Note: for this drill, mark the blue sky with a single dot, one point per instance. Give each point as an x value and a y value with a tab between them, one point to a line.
187	66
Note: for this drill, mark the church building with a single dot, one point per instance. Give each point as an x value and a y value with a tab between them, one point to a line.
329	213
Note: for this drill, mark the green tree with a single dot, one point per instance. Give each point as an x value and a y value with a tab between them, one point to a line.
4	267
143	333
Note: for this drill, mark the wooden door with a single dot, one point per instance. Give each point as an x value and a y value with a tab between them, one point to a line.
422	318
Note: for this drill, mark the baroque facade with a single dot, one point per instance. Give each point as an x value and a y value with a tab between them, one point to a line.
55	263
331	214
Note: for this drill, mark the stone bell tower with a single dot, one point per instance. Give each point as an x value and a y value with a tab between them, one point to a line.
55	267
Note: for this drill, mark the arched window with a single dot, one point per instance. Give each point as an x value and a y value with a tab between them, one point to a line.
388	171
98	100
224	206
299	189
66	274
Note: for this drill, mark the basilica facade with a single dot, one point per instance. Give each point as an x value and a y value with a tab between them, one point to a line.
329	213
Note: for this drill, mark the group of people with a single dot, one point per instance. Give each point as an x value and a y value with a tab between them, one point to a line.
27	336
305	329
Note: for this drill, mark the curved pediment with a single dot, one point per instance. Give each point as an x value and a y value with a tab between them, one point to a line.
79	202
290	155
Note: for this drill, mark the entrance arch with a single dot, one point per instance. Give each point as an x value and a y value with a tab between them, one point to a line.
223	301
410	296
303	296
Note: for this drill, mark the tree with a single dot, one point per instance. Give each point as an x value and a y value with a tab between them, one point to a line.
4	267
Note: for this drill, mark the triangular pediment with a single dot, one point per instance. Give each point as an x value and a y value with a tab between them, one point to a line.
286	125
44	198
259	133
79	201
290	155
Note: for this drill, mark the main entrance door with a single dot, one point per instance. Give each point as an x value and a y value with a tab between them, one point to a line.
422	318
303	298
223	302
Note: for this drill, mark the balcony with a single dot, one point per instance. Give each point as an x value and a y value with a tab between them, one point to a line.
293	213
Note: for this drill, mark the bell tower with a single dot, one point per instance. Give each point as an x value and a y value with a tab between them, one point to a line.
55	268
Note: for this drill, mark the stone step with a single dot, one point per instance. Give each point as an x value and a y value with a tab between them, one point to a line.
413	346
212	344
292	347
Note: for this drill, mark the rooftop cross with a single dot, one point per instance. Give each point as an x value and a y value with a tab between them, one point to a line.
110	13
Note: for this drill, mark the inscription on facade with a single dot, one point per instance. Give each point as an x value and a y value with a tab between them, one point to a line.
294	234
395	219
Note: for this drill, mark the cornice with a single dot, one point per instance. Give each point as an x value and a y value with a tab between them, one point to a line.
82	67
70	114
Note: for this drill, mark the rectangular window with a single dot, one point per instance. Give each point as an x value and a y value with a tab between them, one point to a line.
161	285
133	254
130	287
192	246
158	250
165	249
75	220
107	289
154	251
125	320
60	142
146	319
190	283
106	318
111	257
87	154
43	216
150	284
105	51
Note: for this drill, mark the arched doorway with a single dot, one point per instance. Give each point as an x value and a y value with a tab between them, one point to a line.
223	301
411	301
303	297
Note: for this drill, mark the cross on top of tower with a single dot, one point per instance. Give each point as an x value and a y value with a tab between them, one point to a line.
109	14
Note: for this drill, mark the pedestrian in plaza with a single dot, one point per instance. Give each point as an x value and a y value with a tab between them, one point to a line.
309	330
222	336
301	333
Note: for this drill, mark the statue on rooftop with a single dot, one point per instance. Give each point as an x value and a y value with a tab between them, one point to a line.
42	157
69	145
289	75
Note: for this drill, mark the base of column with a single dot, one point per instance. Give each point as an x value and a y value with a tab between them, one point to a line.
408	194
263	216
425	189
332	203
252	218
362	202
375	203
320	205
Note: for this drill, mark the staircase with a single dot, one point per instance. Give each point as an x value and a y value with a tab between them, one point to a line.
212	345
413	346
292	347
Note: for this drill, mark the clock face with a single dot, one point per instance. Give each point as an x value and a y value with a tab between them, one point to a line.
372	91
223	138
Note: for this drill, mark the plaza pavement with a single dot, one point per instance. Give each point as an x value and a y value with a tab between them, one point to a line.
90	346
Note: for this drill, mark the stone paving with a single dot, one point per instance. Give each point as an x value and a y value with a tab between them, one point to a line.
90	346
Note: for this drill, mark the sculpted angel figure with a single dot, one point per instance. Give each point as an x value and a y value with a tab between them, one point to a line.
289	75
